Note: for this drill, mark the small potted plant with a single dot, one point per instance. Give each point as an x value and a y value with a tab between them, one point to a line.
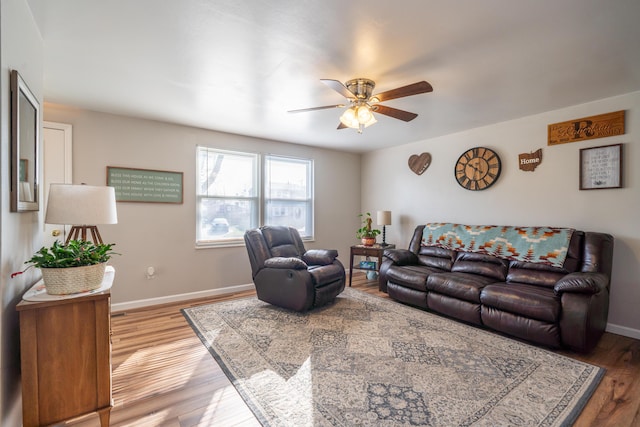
75	267
365	233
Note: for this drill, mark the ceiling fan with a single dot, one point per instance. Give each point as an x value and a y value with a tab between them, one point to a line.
362	104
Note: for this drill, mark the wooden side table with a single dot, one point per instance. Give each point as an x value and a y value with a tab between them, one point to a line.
65	348
376	251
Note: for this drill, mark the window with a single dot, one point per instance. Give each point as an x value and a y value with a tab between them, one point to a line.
288	198
227	195
232	196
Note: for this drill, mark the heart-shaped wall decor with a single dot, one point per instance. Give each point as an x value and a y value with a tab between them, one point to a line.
419	163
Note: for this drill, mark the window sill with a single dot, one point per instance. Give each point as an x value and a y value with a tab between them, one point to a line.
214	245
234	244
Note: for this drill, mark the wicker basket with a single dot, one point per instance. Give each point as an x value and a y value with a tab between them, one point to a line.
63	281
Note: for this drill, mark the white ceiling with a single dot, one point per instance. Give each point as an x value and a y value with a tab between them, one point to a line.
238	66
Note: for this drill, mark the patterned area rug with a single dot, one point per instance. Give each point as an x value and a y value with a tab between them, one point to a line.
368	361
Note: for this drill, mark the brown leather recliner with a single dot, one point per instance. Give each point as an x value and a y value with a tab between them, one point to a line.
286	274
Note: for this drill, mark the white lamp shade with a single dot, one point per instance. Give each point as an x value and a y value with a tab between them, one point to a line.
70	204
384	217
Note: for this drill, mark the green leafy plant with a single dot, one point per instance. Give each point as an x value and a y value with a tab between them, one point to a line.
76	253
366	231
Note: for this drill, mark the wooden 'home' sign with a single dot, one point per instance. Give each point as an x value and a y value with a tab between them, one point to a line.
530	161
600	126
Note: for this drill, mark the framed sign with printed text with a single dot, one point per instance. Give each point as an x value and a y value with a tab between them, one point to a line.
601	167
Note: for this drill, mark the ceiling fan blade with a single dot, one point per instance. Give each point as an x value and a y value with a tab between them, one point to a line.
303	110
339	87
412	89
341	126
394	112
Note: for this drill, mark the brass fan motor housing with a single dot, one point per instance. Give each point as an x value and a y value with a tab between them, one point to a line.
361	88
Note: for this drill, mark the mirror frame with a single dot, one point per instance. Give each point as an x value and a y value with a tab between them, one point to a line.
19	140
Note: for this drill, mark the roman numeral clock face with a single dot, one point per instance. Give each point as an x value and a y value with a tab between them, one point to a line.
478	168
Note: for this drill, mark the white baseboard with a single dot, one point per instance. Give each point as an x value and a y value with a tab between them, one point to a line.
623	330
124	306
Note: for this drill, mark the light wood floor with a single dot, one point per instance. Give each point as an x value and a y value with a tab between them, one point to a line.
164	376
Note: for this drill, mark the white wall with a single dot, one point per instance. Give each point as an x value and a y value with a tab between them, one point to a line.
163	235
548	196
21	49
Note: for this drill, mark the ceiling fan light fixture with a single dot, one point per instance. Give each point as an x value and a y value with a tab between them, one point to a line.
358	117
349	118
369	122
364	114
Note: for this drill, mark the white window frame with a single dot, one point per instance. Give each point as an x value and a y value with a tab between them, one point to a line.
308	200
255	199
259	199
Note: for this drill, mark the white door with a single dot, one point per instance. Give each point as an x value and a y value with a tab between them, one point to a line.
57	169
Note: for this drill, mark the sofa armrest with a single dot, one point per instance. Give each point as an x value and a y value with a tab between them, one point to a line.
320	256
292	263
582	283
401	256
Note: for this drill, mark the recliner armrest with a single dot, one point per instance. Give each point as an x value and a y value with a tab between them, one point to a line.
320	256
582	283
292	263
401	256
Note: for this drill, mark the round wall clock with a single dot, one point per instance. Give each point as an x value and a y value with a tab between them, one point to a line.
478	168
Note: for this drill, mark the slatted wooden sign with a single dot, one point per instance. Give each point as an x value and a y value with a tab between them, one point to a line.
145	185
600	126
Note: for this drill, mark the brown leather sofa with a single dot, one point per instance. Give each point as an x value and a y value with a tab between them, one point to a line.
563	307
289	276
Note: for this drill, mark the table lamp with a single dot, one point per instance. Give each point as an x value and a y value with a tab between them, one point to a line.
82	207
384	219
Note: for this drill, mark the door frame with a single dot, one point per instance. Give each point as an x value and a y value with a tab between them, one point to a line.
67	130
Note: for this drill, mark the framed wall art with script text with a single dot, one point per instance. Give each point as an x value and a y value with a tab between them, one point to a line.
601	167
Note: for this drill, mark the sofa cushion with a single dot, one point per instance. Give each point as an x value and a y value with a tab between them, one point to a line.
525	300
463	286
437	257
408	296
454	307
485	265
522	327
533	274
401	256
545	275
575	252
410	276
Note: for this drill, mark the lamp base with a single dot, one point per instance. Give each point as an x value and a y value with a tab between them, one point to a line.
384	236
79	232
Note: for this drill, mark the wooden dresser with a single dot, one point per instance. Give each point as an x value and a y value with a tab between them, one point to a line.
65	348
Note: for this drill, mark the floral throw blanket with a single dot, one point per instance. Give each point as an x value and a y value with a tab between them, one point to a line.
546	245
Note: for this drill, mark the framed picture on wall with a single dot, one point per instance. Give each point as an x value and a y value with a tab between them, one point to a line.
601	167
25	146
